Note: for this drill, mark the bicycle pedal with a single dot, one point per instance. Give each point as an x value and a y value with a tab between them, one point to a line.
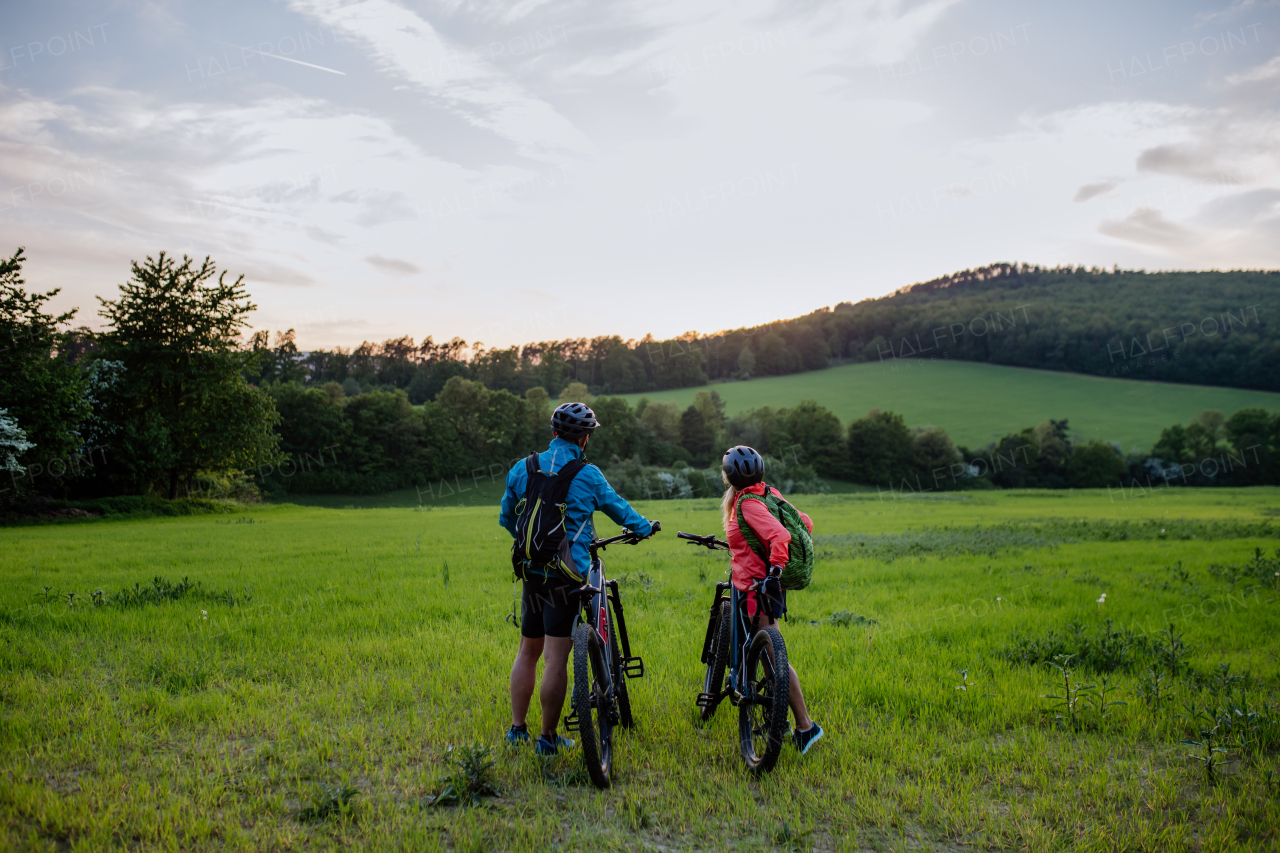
571	722
633	667
708	700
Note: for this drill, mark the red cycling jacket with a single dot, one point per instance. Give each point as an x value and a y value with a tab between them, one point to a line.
747	565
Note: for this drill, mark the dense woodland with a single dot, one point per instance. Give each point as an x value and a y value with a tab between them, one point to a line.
171	399
1203	328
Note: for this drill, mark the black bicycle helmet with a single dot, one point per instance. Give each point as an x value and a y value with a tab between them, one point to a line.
573	420
743	466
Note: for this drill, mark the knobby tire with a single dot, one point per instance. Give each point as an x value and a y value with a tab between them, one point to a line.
713	681
619	679
594	729
762	715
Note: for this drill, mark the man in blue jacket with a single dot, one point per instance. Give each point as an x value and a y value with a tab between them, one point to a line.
549	601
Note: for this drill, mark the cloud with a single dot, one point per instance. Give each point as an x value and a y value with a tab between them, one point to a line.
1187	161
1149	227
392	265
1264	73
406	46
378	207
1094	190
322	236
1246	210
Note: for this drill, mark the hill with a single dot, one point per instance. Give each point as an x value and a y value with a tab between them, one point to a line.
978	403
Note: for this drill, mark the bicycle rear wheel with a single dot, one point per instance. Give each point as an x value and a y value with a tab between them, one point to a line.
762	714
592	704
713	680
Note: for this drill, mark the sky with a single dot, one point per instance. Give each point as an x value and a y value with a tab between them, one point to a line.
512	172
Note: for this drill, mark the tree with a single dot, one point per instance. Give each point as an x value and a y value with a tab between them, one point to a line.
42	389
465	404
539	408
1255	435
664	419
775	357
13	443
880	451
817	431
746	362
1095	465
622	371
183	401
616	435
1015	460
1211	421
695	435
711	407
933	455
576	392
1055	451
1172	444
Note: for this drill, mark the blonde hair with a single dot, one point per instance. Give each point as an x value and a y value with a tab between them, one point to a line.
727	504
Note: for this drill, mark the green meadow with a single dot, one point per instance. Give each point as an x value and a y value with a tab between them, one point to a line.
978	403
305	694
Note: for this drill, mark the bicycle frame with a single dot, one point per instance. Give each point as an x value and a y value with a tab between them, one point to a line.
596	596
742	629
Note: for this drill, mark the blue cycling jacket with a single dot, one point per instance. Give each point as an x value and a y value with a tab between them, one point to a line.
588	492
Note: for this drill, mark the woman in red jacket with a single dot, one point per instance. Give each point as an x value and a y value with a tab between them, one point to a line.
744	472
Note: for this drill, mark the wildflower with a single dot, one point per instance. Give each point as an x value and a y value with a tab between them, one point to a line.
204	614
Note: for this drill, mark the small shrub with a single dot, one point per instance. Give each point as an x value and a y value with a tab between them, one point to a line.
329	801
1261	569
471	779
1105	650
846	618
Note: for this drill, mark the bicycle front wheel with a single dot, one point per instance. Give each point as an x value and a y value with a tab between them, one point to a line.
762	714
713	680
620	679
593	704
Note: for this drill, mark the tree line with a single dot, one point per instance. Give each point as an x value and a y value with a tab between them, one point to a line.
170	399
1207	328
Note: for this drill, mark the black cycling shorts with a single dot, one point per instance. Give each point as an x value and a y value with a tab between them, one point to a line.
547	608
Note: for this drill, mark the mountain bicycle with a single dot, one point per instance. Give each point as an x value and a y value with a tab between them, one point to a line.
602	663
756	659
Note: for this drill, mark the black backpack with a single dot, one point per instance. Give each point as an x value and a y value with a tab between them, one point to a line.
541	542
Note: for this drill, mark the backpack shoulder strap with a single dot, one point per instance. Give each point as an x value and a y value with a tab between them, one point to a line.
753	541
530	469
564	478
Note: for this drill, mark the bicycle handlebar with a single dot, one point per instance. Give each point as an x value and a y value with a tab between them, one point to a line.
709	541
628	537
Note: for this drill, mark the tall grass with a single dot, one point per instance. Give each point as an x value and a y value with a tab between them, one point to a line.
315	707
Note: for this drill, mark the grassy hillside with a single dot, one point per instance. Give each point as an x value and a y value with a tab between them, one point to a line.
355	647
978	403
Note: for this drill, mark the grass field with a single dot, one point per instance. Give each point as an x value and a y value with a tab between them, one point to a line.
978	403
356	646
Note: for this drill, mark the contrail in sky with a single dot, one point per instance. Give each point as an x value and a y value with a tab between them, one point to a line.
286	59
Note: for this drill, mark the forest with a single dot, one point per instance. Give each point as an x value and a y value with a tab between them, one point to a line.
1207	328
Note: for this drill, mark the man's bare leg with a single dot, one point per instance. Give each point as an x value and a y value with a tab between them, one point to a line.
524	673
555	681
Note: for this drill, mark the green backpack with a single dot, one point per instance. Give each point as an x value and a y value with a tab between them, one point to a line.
798	571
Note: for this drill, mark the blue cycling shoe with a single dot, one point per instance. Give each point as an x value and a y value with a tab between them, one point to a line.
807	738
551	745
517	736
